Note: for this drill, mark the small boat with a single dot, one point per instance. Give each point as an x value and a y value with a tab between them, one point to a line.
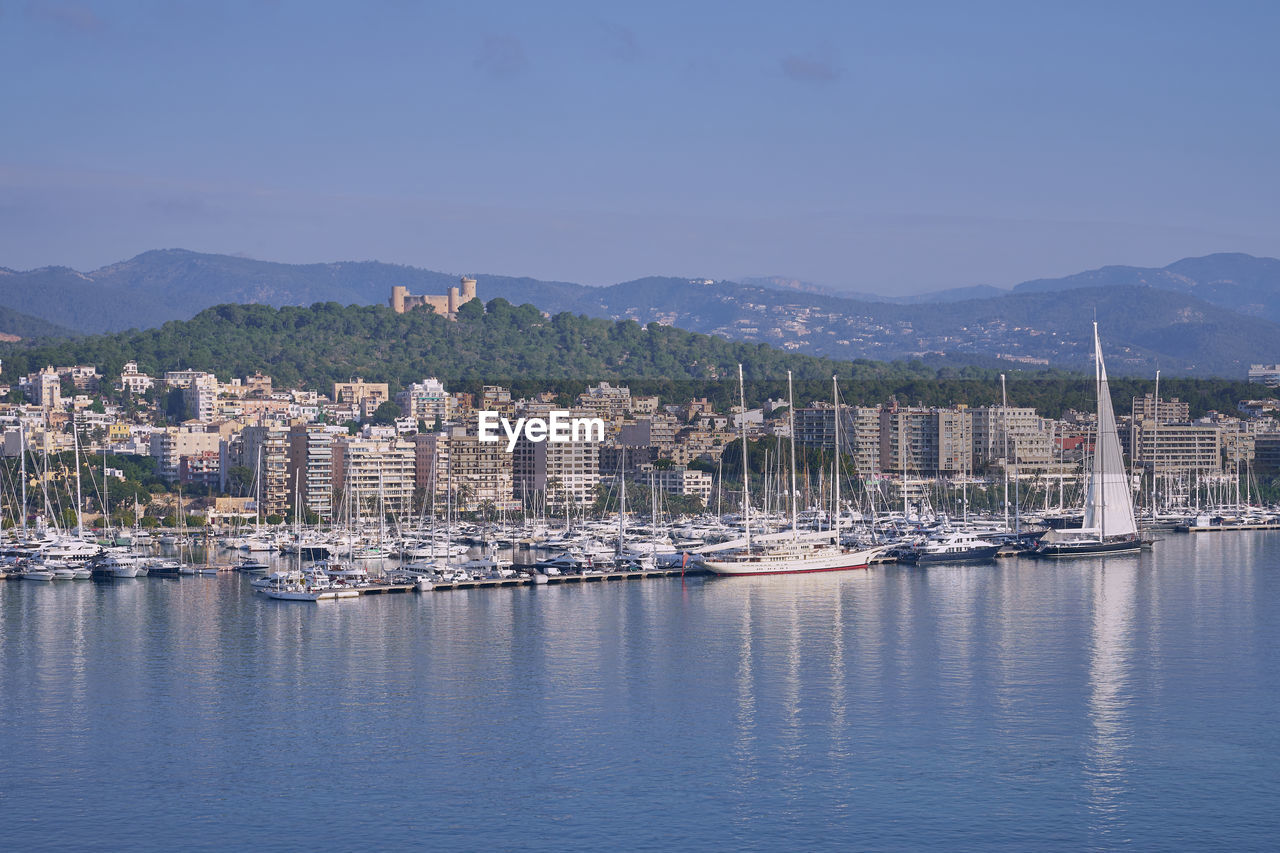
164	568
283	577
306	593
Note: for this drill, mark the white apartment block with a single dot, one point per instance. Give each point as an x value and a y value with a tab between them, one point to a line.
425	401
134	382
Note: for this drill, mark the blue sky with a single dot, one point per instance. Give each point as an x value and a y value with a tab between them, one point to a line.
891	147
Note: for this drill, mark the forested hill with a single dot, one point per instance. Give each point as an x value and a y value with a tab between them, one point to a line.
1219	326
313	347
15	324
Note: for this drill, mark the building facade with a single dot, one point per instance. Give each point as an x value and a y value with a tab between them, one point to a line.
448	304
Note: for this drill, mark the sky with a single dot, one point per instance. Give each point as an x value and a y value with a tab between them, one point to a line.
889	148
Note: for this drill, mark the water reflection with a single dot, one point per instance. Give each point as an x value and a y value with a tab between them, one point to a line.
1111	659
744	740
1021	705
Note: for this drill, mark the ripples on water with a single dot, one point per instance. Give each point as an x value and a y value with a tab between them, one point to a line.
1085	704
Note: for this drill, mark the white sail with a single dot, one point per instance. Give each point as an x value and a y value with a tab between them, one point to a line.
1108	507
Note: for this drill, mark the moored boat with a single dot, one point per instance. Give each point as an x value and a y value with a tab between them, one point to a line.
951	547
1109	526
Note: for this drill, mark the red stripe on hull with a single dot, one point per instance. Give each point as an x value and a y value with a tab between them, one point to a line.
786	571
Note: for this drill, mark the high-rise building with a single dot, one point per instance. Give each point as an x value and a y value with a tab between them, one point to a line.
925	441
201	397
310	471
859	432
170	444
478	472
265	450
376	476
1027	436
1173	448
565	471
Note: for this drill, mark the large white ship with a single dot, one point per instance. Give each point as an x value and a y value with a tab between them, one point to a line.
790	552
791	558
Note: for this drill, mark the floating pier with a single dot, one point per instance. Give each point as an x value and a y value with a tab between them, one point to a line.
1216	528
576	577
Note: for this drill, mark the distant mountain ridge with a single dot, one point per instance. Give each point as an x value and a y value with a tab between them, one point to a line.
1235	281
1200	316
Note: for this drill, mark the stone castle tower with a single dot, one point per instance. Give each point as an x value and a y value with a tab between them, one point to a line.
402	300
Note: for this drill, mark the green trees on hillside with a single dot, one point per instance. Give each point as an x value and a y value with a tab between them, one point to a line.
516	345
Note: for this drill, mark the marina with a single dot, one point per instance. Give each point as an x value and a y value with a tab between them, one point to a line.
1032	704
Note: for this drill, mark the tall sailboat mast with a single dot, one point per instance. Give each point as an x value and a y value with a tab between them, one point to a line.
1097	377
835	398
22	445
791	411
746	478
1004	432
75	442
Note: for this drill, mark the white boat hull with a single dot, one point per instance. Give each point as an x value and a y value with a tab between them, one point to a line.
310	595
787	563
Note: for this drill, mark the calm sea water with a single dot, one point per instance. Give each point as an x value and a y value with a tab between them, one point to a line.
1081	705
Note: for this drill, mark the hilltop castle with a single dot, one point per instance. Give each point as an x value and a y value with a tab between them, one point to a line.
402	300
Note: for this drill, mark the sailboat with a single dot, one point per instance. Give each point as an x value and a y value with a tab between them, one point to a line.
1109	526
789	552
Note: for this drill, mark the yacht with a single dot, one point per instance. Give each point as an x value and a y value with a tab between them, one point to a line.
118	566
1109	526
951	547
790	552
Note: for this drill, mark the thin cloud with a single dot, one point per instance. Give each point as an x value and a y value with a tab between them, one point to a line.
808	69
619	42
502	56
186	208
68	14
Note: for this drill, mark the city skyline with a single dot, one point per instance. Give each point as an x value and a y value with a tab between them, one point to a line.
882	150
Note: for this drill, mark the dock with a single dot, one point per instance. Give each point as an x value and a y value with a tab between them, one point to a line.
379	588
576	577
1216	528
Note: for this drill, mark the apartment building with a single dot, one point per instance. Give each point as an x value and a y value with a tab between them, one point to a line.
1027	436
478	472
170	444
1171	411
1173	448
564	471
425	401
265	450
926	442
310	468
201	397
376	475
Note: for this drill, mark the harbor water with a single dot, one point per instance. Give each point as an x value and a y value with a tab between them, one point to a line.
1084	704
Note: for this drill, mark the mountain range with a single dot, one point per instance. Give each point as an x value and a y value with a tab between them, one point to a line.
1212	315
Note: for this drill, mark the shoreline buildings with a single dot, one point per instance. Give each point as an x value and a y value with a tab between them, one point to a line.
295	449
